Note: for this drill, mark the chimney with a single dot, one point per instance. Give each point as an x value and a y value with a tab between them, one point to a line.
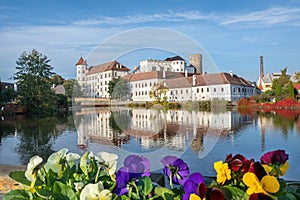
164	73
185	73
261	75
194	80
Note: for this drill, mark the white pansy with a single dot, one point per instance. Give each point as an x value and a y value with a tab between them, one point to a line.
105	195
78	186
33	163
95	191
72	158
53	161
110	160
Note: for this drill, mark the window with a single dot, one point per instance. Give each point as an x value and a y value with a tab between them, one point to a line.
222	89
202	90
215	90
207	89
186	91
197	90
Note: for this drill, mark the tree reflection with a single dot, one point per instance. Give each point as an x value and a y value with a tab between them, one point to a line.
36	135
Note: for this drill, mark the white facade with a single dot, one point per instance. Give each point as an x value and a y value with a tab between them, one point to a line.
174	129
94	80
176	65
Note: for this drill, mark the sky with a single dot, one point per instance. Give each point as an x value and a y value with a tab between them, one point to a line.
233	33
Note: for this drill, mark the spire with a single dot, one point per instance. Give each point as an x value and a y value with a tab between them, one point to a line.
261	75
81	61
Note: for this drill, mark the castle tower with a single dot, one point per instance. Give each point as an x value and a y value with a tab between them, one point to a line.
196	61
81	66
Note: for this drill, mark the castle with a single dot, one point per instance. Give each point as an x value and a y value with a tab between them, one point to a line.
184	81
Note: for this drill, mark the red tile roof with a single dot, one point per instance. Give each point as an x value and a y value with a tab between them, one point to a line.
81	61
151	75
297	86
114	65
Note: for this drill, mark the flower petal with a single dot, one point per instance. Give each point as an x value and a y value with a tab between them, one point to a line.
270	184
194	197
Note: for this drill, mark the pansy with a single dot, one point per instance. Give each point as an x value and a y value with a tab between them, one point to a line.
109	159
203	193
268	184
223	172
134	167
95	191
54	161
275	162
191	185
176	169
274	157
277	170
31	172
238	162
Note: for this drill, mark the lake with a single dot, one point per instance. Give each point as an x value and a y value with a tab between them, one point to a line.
199	138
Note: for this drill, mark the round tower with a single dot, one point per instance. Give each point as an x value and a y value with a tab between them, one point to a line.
196	61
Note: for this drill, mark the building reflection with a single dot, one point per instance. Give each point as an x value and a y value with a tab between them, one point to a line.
153	128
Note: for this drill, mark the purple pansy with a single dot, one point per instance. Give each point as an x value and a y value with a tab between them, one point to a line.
274	157
134	167
175	169
191	185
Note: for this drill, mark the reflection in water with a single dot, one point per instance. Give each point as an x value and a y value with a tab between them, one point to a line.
201	138
35	135
153	128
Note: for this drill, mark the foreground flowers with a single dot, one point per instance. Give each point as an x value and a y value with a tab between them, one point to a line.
71	176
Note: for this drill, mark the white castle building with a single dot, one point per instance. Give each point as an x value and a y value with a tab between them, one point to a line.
184	82
94	80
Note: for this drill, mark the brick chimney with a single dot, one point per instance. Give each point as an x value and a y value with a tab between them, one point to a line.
261	75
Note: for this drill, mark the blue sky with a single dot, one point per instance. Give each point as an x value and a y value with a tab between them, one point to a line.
234	33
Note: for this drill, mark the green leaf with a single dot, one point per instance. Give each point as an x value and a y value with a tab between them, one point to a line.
19	176
234	193
83	163
18	194
145	184
63	192
165	193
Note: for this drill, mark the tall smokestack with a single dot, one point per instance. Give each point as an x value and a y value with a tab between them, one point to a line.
261	67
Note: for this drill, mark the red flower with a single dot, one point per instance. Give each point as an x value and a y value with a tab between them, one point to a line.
238	162
274	157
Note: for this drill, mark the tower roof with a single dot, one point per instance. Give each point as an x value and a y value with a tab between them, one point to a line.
81	61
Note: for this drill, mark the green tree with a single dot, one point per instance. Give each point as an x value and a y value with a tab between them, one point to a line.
298	77
56	80
158	92
34	86
291	89
72	88
118	89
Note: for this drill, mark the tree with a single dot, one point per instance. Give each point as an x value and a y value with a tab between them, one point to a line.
118	89
34	86
298	77
291	89
158	92
72	88
56	80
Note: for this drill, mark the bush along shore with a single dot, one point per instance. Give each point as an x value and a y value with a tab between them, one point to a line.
95	176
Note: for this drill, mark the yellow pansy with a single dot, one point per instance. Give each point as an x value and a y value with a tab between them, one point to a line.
268	184
223	172
195	197
277	170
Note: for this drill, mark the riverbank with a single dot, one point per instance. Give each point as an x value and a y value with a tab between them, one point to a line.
6	183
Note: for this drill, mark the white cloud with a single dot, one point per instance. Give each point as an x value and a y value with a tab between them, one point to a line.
272	16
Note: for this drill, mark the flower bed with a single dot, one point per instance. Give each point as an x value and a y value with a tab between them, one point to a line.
69	176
